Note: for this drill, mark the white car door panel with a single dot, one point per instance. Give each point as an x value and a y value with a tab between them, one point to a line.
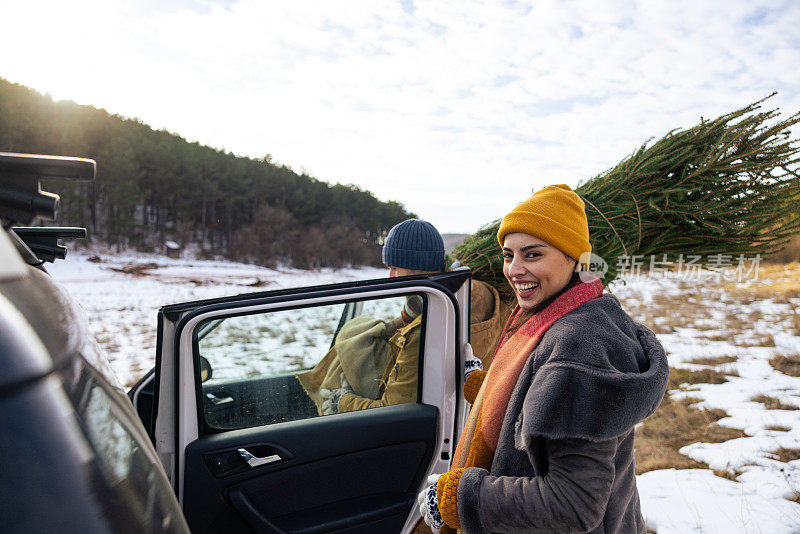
249	449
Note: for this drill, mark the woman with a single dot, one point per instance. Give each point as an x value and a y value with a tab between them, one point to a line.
549	442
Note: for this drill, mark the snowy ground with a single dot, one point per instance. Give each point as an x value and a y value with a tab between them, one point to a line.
122	307
710	319
692	319
280	342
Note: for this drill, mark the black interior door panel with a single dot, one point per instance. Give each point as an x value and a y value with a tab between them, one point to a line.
351	473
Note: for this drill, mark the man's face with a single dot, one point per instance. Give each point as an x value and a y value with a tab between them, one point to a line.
400	271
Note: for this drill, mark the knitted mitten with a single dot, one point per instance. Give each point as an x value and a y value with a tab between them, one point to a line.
473	384
428	507
473	374
332	397
471	363
447	497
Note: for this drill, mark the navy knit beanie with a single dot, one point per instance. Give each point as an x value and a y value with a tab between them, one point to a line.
414	244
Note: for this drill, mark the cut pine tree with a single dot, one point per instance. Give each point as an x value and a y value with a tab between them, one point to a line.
727	186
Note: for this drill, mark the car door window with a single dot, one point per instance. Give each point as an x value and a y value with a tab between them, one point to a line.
288	364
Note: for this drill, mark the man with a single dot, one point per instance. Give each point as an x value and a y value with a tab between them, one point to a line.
416	247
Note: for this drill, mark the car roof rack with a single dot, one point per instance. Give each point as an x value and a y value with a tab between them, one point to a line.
43	240
22	200
21	195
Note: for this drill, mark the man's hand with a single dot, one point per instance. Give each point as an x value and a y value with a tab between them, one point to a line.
393	326
332	397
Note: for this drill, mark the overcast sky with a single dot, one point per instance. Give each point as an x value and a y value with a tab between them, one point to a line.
458	110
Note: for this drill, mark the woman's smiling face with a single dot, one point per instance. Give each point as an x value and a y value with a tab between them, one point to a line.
535	269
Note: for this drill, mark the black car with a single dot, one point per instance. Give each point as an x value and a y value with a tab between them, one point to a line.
222	434
75	457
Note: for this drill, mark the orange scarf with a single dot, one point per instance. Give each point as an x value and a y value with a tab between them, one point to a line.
479	439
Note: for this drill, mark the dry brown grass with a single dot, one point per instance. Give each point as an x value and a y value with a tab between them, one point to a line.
790	253
665	313
713	360
730	475
778	428
756	340
679	377
137	269
795	321
772	403
754	316
761	340
716	337
783	454
676	424
774	281
657	328
788	364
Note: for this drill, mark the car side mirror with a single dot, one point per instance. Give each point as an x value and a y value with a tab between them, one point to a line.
205	369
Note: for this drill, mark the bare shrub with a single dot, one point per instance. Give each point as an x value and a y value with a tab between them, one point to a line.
310	249
268	240
277	237
348	245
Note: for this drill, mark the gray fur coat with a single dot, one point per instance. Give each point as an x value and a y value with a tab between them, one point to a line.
564	460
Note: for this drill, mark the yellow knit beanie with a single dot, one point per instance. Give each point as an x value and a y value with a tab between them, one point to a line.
555	214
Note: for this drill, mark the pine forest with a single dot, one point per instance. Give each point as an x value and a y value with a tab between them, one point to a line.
153	186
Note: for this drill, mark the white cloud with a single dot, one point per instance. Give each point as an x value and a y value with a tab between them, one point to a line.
457	109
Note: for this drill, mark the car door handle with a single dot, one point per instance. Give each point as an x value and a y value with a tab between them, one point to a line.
255	461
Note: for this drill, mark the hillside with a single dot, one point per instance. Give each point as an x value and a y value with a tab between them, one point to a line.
451	241
154	186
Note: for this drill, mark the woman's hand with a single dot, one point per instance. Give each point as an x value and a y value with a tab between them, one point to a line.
428	507
473	375
471	363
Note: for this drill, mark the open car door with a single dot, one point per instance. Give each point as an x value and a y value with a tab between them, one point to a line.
246	444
